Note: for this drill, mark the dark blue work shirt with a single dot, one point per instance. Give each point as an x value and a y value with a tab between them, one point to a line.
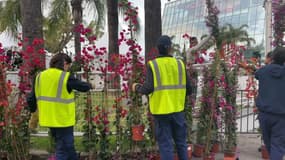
271	89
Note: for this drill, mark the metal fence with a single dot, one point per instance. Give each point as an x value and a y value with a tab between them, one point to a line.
246	122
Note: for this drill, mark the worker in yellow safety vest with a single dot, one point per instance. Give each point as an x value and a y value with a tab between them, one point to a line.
53	97
167	85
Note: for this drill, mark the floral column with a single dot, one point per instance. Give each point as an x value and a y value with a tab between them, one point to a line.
278	10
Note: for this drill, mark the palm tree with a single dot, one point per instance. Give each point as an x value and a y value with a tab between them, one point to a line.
77	17
32	23
152	24
233	35
112	7
58	27
229	34
59	22
10	17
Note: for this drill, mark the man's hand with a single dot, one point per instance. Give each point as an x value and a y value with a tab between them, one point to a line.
134	87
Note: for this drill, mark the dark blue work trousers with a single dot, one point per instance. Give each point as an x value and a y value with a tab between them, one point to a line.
273	133
64	141
169	128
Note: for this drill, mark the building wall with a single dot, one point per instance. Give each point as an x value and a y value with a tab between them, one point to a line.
188	16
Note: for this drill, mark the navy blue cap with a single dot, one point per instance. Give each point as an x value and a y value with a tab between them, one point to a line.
164	40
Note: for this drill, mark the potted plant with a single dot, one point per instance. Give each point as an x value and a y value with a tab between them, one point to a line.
135	71
229	93
206	115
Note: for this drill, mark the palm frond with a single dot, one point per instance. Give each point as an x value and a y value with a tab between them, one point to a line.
58	26
122	9
60	11
99	5
10	17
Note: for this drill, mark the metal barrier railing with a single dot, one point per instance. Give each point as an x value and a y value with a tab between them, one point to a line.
246	118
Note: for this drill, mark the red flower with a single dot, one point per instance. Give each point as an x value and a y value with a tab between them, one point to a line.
2	124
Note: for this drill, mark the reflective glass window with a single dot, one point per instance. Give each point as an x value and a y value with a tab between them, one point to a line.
259	27
236	6
259	39
244	4
260	12
244	18
252	15
235	19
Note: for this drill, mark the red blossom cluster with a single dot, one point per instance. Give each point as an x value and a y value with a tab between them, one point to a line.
130	14
84	32
34	60
101	119
278	22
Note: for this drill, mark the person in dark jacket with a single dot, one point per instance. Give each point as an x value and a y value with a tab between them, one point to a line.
53	97
268	58
271	104
167	85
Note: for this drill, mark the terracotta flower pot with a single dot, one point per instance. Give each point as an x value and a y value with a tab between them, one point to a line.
198	150
137	132
176	156
229	156
215	148
154	156
157	157
189	149
264	152
3	155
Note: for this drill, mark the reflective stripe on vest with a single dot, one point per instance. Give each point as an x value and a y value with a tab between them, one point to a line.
158	77
56	105
59	91
169	79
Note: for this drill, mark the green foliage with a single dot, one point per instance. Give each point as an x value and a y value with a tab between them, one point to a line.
99	6
45	143
230	114
10	17
58	26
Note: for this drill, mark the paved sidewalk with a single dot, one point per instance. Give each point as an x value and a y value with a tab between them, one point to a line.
248	145
247	149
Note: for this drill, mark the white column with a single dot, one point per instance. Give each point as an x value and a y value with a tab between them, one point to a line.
268	25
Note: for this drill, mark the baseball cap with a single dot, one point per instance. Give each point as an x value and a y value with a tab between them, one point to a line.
164	41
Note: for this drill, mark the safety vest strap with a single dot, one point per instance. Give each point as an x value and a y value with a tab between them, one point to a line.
58	98
159	86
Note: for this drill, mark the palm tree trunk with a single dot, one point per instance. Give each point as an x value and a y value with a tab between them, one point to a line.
77	16
112	6
113	47
32	23
152	24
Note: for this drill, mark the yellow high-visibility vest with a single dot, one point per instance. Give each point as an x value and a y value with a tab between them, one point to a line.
56	105
169	78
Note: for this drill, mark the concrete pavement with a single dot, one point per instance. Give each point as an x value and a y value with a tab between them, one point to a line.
247	149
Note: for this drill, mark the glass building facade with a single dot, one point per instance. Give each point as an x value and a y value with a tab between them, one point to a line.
188	16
